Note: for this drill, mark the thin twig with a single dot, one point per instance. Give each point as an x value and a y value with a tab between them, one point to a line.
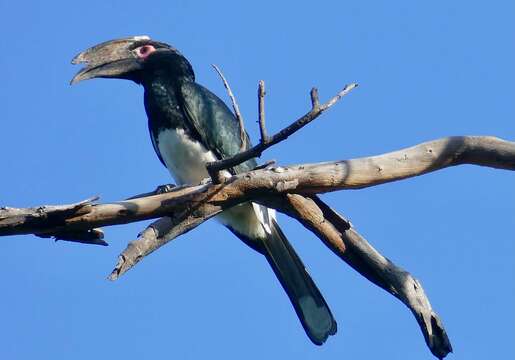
261	112
315	102
215	167
235	106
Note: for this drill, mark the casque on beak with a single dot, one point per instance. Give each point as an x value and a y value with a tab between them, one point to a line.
110	59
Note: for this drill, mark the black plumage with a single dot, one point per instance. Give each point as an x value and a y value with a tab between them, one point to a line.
189	125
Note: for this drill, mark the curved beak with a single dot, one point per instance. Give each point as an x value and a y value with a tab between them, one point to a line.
110	59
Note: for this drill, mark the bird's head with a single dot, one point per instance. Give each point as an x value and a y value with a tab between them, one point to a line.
134	58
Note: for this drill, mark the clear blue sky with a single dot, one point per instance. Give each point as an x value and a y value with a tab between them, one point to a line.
426	70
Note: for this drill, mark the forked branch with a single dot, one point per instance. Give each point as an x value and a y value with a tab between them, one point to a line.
290	189
338	234
215	167
303	179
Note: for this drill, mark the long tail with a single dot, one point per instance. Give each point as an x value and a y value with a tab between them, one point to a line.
256	226
311	308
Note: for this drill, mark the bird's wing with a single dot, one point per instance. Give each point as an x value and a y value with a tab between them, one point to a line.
219	131
156	148
214	122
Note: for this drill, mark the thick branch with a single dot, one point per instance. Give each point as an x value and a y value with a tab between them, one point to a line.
52	216
185	208
154	236
362	257
339	235
159	233
302	179
177	203
364	172
215	167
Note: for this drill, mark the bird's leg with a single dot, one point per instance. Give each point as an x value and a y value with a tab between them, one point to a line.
163	189
205	181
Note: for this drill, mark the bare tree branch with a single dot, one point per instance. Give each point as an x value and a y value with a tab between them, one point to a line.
301	179
340	236
261	112
215	167
235	107
362	257
53	216
160	231
315	102
289	189
187	207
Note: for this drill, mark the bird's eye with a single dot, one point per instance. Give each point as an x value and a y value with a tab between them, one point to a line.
145	50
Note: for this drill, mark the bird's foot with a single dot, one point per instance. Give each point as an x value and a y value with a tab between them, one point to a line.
163	189
205	181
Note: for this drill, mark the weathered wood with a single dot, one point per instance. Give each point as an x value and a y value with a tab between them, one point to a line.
215	167
301	179
51	216
366	260
289	189
147	241
159	233
261	112
338	234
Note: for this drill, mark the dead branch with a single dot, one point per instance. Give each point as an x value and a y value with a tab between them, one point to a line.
157	234
302	179
261	112
53	216
289	189
342	239
215	167
235	107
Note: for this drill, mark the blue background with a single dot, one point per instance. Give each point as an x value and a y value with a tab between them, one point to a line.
425	69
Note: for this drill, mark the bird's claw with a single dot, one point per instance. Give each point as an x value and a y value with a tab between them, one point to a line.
205	181
163	189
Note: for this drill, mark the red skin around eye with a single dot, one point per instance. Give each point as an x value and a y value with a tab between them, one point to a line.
145	50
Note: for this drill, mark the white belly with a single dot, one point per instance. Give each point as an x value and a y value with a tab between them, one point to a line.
185	158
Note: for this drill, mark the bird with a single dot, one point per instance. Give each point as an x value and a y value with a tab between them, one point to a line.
189	126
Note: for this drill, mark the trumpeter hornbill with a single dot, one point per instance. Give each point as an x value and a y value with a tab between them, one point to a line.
190	126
